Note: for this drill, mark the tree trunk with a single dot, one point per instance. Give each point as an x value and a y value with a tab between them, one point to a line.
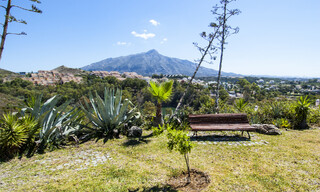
195	72
158	119
221	57
5	27
186	157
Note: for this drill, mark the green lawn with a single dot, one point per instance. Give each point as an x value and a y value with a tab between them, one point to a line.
289	162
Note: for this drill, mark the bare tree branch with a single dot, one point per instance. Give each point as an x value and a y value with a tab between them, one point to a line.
22	33
10	18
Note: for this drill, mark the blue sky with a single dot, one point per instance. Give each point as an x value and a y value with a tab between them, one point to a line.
276	37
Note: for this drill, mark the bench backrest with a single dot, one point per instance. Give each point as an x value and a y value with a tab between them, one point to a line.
226	118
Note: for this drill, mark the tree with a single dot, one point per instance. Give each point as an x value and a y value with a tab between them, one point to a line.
179	140
224	95
161	92
10	18
219	33
227	30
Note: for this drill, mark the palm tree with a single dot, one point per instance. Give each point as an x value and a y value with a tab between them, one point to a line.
161	92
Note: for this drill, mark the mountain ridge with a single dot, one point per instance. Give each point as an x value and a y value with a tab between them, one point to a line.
152	62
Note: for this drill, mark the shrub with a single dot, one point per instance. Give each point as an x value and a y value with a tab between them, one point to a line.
281	123
156	131
314	116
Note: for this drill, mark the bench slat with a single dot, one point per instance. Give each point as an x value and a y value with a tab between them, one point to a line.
234	118
220	122
222	127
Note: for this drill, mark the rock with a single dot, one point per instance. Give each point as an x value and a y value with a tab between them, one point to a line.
267	129
135	131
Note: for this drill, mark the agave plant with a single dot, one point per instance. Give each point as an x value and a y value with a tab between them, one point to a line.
108	114
54	123
276	109
241	104
36	108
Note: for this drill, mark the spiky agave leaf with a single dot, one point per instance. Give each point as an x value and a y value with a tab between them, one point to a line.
37	109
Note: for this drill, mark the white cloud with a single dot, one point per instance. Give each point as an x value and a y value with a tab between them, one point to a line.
164	40
144	35
120	43
154	22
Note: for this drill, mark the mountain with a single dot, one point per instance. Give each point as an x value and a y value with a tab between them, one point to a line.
151	62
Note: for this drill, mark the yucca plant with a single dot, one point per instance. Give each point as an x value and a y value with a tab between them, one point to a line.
301	112
108	114
13	135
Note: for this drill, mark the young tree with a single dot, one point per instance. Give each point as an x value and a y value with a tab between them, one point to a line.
179	140
219	33
9	18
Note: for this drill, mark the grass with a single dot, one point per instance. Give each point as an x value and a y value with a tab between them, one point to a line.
289	162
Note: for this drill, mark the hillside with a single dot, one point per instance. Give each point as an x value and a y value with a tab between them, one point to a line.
5	73
64	69
8	102
149	63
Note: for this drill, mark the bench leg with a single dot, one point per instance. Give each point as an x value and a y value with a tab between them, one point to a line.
195	133
249	135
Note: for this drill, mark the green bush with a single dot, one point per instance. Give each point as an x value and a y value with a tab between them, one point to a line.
314	116
281	123
156	131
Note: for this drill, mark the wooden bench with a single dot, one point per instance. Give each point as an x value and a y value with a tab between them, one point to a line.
220	122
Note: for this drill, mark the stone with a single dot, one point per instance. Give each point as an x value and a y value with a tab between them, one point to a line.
134	131
267	129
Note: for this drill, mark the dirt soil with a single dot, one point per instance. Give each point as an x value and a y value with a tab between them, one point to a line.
199	181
